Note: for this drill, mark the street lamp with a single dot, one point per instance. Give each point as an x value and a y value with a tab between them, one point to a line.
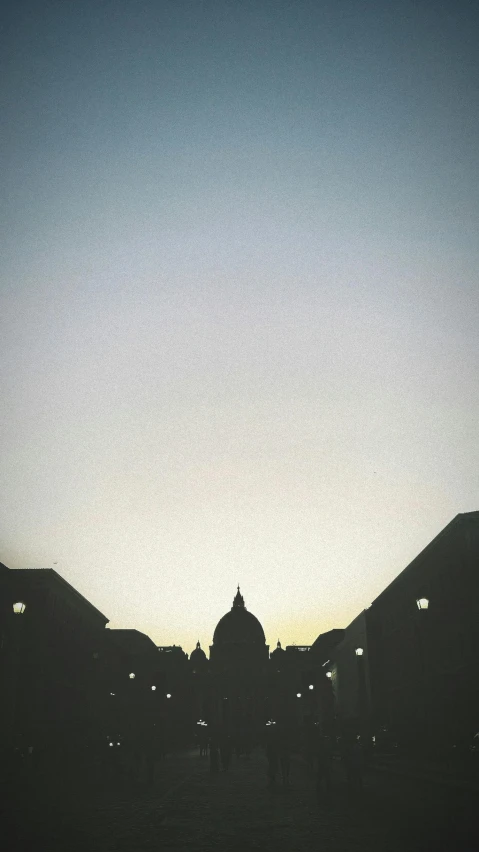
311	686
298	695
422	603
359	652
131	675
153	688
329	674
168	694
19	608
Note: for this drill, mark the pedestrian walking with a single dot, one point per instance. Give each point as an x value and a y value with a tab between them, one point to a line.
202	734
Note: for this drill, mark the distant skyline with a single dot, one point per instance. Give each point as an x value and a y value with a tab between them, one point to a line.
239	302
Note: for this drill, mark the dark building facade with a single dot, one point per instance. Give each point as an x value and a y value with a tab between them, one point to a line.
424	631
416	675
50	647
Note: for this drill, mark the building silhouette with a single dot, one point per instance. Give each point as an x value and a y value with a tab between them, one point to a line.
416	678
405	668
239	659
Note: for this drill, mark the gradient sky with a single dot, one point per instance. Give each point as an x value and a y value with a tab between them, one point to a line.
239	301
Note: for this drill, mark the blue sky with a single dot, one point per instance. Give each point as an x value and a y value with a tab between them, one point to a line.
239	302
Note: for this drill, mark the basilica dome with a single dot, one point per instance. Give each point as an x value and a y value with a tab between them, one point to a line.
238	626
198	655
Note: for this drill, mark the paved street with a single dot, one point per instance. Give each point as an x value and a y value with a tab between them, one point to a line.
190	809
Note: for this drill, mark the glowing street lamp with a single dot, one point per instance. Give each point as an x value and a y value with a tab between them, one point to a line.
329	674
153	688
19	608
132	675
359	652
168	694
310	686
298	695
422	603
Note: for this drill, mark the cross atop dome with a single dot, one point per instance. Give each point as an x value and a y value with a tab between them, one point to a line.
238	600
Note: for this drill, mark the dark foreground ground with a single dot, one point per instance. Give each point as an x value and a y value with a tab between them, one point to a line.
190	809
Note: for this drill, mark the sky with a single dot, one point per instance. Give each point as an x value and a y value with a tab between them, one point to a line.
239	302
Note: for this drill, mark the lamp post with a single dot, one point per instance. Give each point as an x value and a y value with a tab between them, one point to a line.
362	691
14	659
422	605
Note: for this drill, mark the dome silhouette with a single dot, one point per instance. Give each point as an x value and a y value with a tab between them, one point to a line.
238	626
198	653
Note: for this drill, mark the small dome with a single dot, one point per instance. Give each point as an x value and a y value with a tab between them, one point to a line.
278	651
238	625
198	653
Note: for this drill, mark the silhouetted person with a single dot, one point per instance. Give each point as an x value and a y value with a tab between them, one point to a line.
214	750
272	753
226	748
203	740
240	742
